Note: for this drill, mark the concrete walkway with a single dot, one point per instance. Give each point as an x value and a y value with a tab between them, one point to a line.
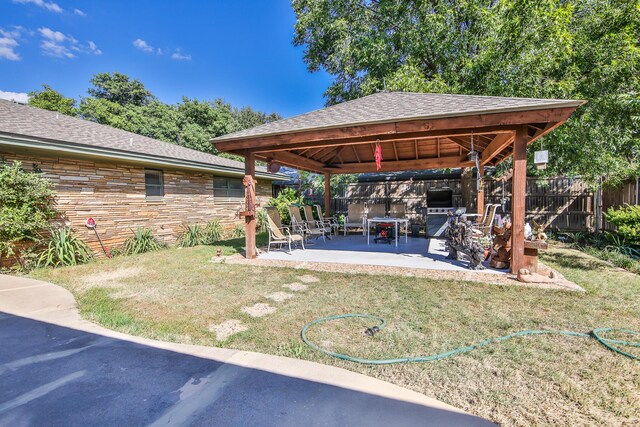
57	369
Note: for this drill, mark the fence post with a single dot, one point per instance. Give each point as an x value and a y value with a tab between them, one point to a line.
598	206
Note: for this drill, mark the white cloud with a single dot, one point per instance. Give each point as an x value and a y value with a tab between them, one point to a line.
8	43
143	45
59	45
93	48
79	12
50	6
56	44
54	36
178	56
20	97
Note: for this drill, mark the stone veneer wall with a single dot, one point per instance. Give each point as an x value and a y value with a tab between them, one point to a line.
114	195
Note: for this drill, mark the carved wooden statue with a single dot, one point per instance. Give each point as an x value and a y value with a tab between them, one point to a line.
459	236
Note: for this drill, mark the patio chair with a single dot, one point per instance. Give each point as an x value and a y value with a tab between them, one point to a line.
311	221
301	226
484	228
376	211
279	234
355	218
476	216
330	222
398	210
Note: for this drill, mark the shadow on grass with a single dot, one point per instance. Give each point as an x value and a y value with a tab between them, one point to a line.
574	261
236	246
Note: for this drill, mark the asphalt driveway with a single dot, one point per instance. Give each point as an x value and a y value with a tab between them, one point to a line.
57	375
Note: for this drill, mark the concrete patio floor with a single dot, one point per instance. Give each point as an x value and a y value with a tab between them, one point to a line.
418	252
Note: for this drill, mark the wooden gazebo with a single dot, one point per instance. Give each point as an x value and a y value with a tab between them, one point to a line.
414	131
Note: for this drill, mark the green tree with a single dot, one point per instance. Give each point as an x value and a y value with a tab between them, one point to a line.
246	117
119	88
50	99
586	49
27	204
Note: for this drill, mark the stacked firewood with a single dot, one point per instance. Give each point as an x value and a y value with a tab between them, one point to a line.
501	248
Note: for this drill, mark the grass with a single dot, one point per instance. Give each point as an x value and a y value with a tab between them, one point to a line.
176	294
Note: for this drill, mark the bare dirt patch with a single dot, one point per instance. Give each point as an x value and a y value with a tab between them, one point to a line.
110	278
307	278
258	310
227	328
279	296
375	270
296	287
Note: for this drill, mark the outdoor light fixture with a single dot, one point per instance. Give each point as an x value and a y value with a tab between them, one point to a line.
540	159
273	167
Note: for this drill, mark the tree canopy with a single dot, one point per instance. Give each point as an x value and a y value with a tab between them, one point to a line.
584	49
50	99
117	100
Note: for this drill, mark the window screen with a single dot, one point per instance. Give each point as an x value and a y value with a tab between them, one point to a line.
154	183
227	189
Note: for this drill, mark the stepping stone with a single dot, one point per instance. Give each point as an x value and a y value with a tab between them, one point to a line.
297	287
279	296
307	278
227	328
258	310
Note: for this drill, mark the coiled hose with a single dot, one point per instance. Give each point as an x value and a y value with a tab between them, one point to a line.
611	344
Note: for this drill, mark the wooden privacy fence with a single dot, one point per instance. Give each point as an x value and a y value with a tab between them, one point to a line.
412	193
559	203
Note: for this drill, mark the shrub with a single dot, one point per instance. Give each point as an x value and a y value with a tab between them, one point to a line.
237	231
627	222
261	220
212	232
64	249
286	197
142	241
27	204
191	236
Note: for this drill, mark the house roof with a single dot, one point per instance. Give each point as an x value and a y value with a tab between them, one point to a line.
49	129
385	107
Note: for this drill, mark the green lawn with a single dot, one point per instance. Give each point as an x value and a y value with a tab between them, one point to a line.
176	294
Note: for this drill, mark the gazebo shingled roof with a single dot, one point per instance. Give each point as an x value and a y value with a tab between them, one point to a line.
415	131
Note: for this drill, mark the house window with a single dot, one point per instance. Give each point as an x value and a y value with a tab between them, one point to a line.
227	189
153	183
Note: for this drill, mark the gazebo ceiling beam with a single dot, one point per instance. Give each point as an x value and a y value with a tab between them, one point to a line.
293	160
499	143
394	128
404	165
490	130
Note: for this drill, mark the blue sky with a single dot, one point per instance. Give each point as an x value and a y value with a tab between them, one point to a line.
241	51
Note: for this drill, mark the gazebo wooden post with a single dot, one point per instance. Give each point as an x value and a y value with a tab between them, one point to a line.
519	188
250	219
480	202
327	194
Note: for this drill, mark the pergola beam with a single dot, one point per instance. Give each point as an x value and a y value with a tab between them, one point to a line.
489	130
293	160
499	143
429	163
392	129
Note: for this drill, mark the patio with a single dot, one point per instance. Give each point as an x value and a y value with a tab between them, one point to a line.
418	252
401	131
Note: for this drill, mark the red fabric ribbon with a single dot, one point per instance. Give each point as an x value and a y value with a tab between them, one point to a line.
378	156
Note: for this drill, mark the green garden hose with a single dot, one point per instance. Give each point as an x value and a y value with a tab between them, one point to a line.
597	334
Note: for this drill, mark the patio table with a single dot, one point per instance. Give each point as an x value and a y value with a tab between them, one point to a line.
395	221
